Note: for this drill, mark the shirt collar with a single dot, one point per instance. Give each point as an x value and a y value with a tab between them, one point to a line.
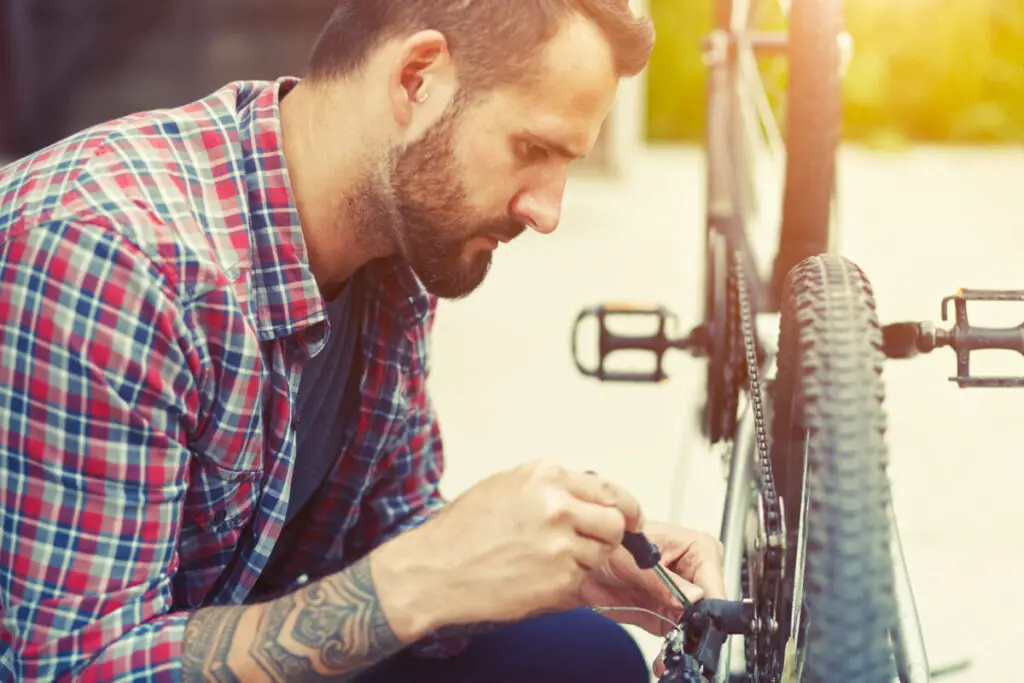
287	296
289	300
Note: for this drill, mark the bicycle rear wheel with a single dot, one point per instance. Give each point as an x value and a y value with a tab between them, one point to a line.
829	458
813	128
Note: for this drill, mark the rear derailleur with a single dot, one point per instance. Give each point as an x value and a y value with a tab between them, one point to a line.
692	651
909	339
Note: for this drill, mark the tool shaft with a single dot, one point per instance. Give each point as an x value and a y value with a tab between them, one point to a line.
677	593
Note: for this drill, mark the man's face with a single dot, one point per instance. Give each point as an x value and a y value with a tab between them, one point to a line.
489	169
447	241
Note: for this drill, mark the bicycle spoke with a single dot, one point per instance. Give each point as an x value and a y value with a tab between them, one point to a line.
751	77
740	15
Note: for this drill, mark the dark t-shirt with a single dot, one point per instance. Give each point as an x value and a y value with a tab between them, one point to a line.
329	380
325	405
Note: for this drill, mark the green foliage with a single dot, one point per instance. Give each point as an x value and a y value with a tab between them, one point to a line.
922	70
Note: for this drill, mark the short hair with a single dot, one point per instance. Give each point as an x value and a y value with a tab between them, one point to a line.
492	42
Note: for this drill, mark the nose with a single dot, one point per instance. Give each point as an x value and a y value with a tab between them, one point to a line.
539	209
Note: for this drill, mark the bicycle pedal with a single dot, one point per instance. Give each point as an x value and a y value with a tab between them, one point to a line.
656	343
965	338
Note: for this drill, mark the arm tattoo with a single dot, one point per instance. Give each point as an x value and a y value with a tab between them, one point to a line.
208	637
328	631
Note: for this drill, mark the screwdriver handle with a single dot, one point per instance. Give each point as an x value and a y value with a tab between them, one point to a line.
645	553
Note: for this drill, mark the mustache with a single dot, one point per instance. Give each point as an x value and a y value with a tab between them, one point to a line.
505	229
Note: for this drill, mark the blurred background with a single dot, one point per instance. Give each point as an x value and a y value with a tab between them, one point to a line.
930	184
949	71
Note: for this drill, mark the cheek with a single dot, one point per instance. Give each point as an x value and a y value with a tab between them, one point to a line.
490	173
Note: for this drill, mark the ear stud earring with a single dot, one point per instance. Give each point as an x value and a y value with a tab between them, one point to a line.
421	97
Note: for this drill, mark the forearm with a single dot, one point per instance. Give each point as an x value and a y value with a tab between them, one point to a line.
457	631
332	629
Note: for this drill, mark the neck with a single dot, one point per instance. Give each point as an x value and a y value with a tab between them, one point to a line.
329	165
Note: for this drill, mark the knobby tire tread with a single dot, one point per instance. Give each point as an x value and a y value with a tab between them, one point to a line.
830	355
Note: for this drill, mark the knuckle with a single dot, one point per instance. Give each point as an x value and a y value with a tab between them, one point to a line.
543	470
608	492
556	508
569	581
614	525
711	547
560	548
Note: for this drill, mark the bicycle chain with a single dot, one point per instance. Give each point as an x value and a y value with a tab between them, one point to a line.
768	590
733	375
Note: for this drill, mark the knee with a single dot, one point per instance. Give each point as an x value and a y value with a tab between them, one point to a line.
601	650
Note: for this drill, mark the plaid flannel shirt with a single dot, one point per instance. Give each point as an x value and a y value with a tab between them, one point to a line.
156	306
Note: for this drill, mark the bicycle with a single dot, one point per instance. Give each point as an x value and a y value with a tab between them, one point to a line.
817	586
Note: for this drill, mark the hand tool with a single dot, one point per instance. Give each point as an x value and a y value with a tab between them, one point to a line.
647	556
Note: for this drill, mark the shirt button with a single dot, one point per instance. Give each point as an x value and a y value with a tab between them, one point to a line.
160	603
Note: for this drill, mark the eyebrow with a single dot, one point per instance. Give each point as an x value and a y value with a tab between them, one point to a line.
557	147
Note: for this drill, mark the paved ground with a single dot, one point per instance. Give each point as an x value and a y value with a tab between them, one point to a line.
922	224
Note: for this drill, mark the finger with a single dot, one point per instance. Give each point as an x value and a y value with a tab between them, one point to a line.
591	554
663	598
649	589
658	667
605	524
695	556
710	578
701	563
592	488
693	592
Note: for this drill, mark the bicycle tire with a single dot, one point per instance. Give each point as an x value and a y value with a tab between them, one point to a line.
828	404
813	123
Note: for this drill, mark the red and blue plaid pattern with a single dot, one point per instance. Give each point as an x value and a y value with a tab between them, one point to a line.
156	305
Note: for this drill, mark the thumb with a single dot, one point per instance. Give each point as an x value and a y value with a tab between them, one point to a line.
693	592
711	578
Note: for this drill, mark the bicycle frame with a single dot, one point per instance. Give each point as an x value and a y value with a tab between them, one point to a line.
740	120
729	193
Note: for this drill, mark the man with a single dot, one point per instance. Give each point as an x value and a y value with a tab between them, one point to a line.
219	459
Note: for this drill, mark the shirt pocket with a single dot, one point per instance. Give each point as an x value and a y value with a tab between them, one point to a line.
219	505
221	500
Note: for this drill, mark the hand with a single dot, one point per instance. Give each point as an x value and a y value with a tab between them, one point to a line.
521	542
693	558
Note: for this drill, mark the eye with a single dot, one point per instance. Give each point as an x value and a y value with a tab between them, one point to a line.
532	152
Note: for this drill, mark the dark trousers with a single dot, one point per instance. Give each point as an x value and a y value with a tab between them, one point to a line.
579	645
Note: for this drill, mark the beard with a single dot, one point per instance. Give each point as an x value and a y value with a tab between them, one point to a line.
433	219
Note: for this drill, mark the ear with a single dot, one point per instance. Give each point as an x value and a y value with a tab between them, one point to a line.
423	69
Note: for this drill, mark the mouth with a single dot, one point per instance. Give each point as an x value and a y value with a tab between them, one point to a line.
509	236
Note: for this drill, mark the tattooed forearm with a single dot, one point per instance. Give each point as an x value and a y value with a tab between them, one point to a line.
208	637
328	631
